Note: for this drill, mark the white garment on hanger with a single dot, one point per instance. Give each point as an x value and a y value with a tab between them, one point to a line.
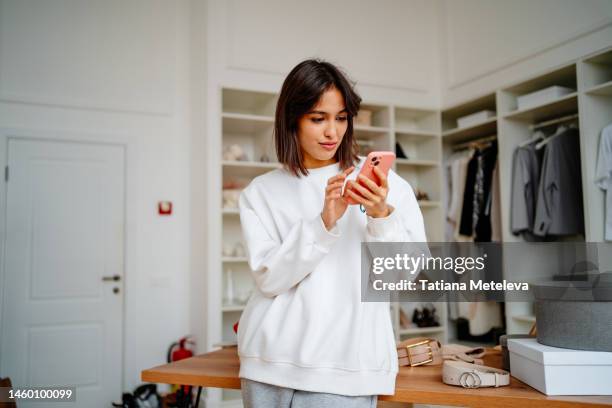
603	175
457	173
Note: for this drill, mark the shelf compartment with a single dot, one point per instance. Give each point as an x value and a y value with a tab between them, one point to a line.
408	120
458	135
419	148
239	123
380	117
559	107
564	76
598	71
450	115
248	102
425	178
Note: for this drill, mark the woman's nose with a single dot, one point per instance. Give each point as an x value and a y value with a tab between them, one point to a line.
330	130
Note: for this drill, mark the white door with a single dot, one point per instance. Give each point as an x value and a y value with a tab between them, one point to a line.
62	311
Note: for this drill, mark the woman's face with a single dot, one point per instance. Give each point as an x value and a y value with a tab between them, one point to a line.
320	131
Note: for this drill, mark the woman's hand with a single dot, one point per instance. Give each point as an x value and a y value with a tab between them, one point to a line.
335	205
372	196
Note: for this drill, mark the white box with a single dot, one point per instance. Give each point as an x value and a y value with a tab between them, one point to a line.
474	118
542	96
559	371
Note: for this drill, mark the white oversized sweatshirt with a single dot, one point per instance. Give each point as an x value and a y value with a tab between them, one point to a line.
305	326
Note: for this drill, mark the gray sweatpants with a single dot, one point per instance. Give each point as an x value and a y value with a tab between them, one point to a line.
256	394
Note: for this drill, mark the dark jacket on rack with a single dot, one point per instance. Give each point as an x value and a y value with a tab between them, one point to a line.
559	209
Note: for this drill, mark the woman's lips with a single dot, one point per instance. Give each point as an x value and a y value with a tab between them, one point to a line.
328	146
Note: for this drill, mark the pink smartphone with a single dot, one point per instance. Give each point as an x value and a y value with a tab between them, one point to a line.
382	160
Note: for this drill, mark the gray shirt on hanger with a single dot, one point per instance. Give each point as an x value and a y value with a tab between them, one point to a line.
559	209
525	180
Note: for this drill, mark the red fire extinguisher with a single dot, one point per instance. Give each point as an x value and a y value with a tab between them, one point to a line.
181	352
178	351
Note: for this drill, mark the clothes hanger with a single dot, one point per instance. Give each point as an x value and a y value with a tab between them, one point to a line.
560	130
538	135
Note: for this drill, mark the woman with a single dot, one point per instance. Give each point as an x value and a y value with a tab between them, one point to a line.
305	338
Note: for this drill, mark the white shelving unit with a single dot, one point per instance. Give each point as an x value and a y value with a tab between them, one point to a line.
591	78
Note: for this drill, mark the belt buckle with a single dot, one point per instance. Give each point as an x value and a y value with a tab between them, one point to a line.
420	343
465	377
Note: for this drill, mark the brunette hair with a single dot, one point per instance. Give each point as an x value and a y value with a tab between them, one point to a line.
301	90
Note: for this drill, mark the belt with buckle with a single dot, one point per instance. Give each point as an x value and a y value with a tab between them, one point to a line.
470	375
419	351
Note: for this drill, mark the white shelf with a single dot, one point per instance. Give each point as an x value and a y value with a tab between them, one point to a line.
230	211
234	259
232	308
251	164
248	117
558	107
370	129
415	132
428	203
242	123
416	162
486	128
422	330
604	89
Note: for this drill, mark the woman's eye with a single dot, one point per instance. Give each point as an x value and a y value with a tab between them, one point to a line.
341	118
317	120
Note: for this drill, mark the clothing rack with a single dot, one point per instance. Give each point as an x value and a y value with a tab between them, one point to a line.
474	142
554	121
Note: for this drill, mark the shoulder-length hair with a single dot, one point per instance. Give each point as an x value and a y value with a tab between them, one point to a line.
300	92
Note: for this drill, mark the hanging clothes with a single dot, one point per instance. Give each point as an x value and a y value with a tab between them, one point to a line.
466	227
495	206
526	164
559	209
456	172
475	220
482	195
603	175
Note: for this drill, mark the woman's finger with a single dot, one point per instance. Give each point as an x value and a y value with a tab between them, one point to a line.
371	185
364	192
381	176
360	199
341	176
333	187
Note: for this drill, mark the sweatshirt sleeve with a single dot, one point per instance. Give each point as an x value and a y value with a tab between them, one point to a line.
277	264
404	223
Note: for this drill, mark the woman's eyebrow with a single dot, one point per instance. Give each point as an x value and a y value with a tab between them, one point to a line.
324	113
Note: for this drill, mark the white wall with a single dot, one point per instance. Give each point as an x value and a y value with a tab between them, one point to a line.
114	69
486	44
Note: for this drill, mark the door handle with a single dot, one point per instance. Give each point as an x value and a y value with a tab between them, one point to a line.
114	278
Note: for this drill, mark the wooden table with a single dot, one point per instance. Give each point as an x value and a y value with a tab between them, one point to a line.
421	385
